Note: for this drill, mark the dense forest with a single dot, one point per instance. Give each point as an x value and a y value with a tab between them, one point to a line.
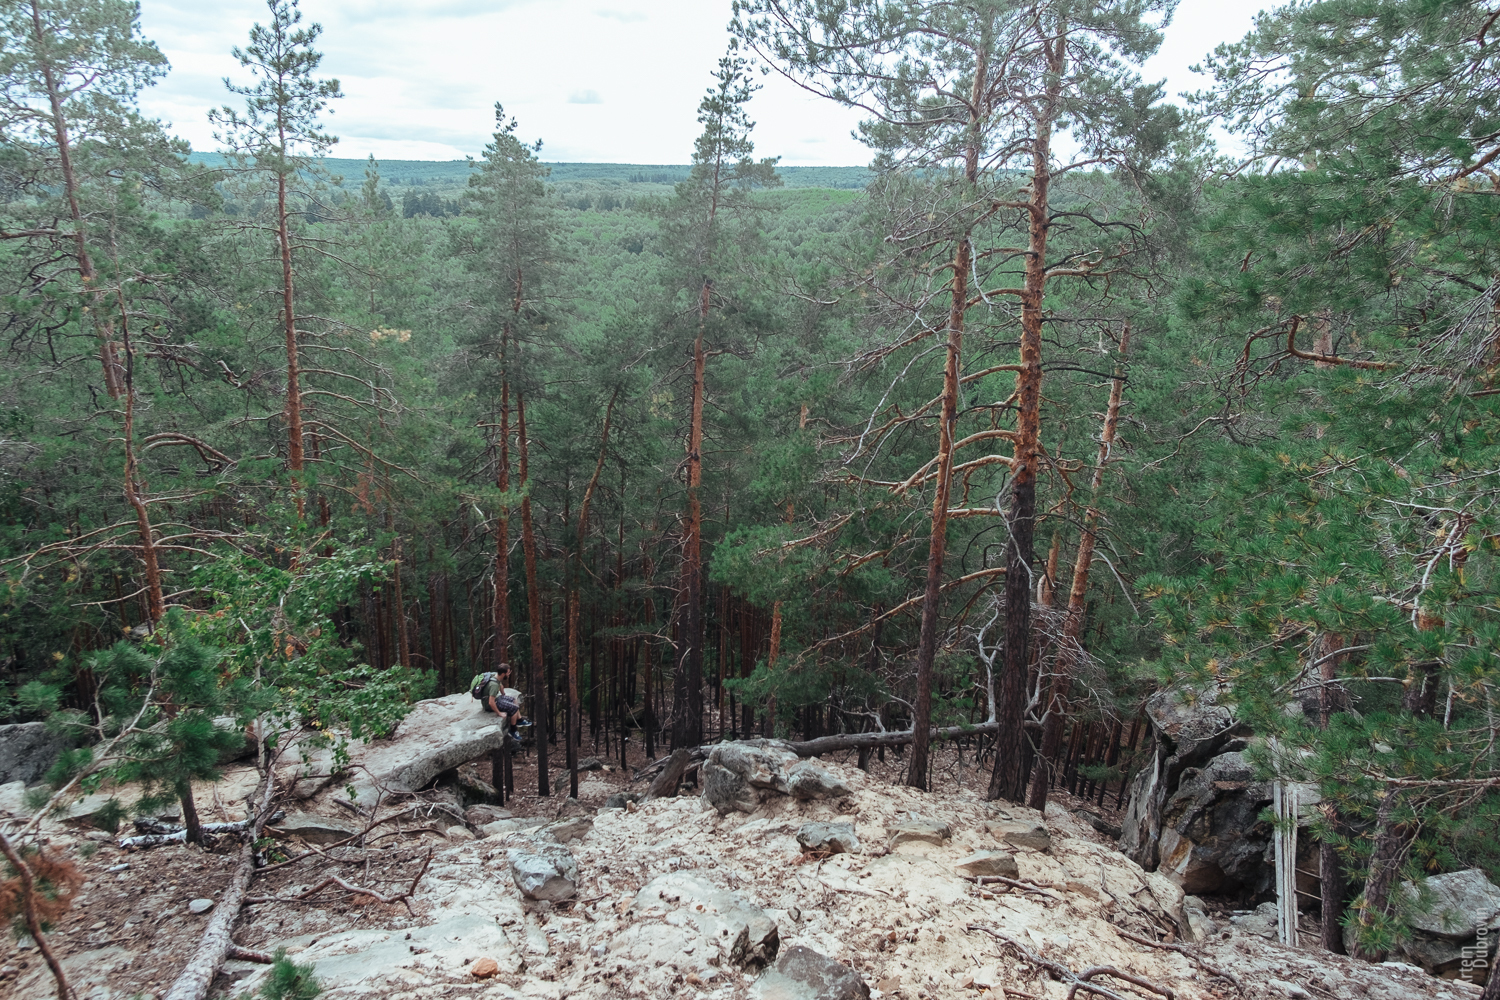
1054	404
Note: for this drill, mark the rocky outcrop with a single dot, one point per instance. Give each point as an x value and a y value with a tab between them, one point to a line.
687	922
437	735
27	750
990	863
1194	809
918	831
807	780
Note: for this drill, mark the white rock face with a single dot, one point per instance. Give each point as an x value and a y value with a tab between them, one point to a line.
685	921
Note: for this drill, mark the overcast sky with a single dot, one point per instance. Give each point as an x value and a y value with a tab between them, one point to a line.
597	80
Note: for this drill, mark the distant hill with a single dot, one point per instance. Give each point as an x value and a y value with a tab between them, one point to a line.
453	173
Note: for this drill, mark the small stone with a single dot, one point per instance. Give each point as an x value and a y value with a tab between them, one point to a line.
200	906
479	815
1291	990
918	831
991	863
591	764
484	968
499	828
458	833
835	838
599	950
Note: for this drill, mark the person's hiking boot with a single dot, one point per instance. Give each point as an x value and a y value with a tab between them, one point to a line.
522	722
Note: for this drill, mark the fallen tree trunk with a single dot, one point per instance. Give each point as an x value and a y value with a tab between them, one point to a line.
198	974
821	745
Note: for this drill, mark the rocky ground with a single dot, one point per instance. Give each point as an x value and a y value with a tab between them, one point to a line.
671	897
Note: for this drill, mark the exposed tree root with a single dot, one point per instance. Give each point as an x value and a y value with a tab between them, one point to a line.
1077	981
1183	950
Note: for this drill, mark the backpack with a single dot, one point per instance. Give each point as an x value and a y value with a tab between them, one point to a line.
480	682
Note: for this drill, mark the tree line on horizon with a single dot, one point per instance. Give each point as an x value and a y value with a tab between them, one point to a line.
1063	407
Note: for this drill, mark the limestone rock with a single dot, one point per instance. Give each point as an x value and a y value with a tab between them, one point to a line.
544	871
27	750
803	974
484	968
701	919
479	815
1029	836
918	831
437	735
1260	921
736	777
991	863
13	798
499	828
572	828
591	764
807	780
835	838
314	829
1212	840
200	906
458	833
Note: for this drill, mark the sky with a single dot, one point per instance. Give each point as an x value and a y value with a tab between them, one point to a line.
597	80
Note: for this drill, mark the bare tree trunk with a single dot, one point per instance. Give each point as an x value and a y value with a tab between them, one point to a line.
155	602
687	710
539	719
1069	648
294	458
1006	781
575	722
916	775
403	641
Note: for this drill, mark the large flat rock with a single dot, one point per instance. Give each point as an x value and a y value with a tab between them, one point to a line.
437	734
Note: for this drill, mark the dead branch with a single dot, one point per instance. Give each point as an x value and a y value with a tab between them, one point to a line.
353	889
248	955
1017	884
33	921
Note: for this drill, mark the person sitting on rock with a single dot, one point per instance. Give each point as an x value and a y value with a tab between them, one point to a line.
494	699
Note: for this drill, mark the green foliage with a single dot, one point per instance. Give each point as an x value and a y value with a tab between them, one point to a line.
289	981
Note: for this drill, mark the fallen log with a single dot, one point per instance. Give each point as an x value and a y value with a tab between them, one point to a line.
156	833
198	974
823	744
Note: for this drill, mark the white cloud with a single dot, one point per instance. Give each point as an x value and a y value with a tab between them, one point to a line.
422	78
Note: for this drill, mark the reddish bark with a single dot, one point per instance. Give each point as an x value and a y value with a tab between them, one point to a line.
534	610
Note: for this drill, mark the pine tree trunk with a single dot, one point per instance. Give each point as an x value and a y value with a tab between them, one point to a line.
190	825
1392	842
1007	779
1333	886
575	722
687	710
289	322
539	708
916	774
501	640
1069	649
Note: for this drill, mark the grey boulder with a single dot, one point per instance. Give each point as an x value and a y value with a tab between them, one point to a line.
803	974
738	778
1446	914
314	829
544	871
835	838
27	750
807	780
